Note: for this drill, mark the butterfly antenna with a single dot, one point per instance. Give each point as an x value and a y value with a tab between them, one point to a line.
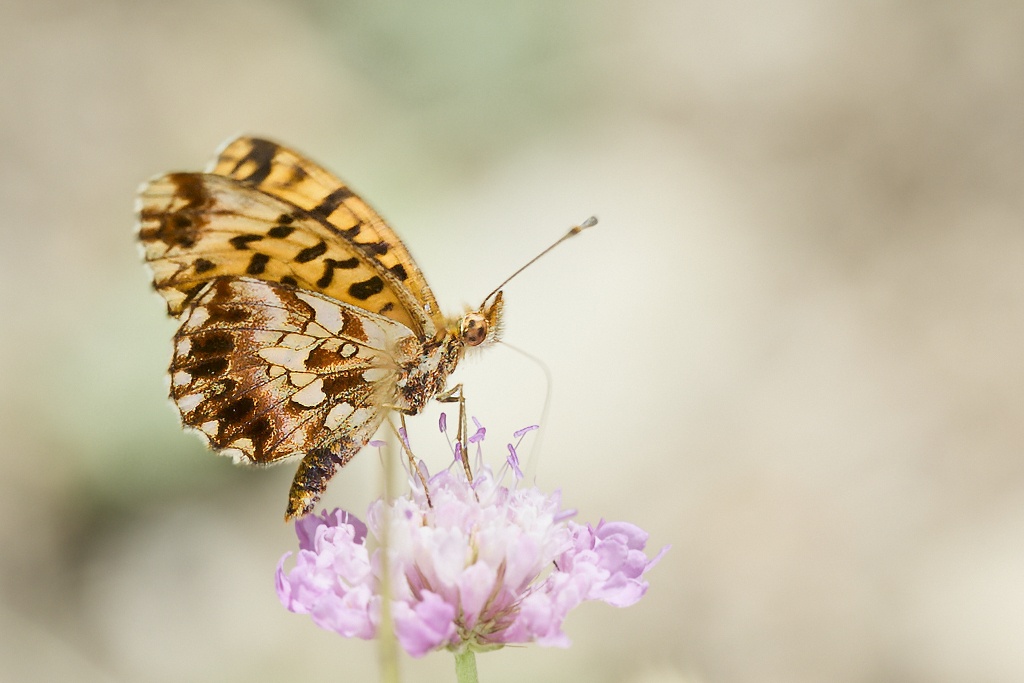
573	231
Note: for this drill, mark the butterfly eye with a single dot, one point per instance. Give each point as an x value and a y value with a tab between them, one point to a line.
473	329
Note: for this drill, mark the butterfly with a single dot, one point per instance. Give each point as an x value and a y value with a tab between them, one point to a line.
303	318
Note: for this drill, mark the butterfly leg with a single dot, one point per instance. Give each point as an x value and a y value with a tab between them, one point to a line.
456	395
403	439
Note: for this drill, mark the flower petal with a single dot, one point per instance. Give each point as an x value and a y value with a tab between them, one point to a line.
424	626
475	587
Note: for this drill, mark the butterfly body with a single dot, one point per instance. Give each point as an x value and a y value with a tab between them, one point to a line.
303	318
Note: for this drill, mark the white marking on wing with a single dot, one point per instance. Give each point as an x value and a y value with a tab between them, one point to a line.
329	316
311	395
188	402
337	415
285	357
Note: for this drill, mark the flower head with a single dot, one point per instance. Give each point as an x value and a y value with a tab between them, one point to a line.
478	565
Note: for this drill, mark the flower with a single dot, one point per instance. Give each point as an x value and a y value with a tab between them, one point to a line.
477	566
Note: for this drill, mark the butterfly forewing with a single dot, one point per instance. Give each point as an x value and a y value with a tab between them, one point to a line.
281	172
196	227
266	372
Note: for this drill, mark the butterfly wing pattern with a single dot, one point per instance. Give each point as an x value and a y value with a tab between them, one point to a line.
303	317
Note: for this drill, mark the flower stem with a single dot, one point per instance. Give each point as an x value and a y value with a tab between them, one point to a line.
387	643
465	666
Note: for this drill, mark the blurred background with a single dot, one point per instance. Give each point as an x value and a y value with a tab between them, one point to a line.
792	349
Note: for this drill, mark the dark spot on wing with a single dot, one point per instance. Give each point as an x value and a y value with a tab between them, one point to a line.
257	264
208	368
352	328
310	253
325	279
331	202
258	429
180	227
223	386
350	385
236	410
261	155
321	358
329	266
242	241
280	231
367	288
213	344
226	313
203	265
378	248
298	175
192	188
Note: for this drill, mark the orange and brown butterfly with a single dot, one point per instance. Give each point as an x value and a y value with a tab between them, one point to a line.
303	317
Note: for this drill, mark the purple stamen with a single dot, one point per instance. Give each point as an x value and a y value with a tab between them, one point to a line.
513	462
480	433
518	434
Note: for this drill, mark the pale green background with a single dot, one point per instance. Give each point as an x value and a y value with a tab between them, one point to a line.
793	349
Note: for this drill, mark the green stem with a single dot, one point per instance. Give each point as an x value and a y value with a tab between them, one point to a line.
465	666
387	643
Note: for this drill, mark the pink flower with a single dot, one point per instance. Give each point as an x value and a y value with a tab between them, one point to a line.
484	566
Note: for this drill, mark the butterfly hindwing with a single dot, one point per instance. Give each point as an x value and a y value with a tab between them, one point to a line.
266	372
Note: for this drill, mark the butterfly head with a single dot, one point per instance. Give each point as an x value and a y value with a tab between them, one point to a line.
483	326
